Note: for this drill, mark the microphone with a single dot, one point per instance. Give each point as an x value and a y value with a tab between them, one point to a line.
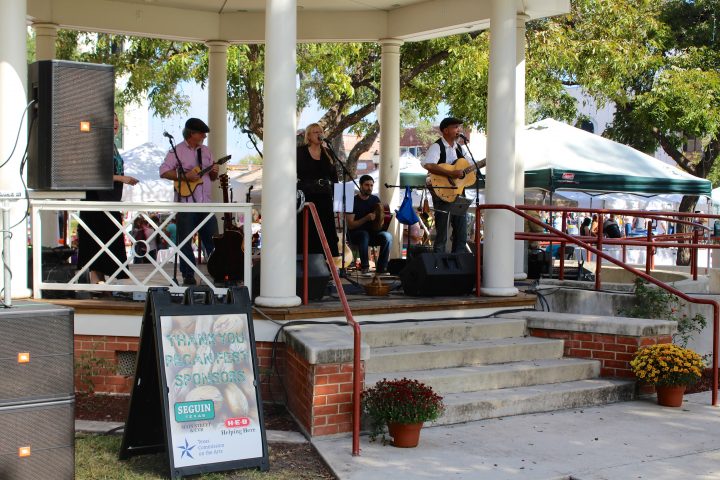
324	139
166	134
460	135
245	130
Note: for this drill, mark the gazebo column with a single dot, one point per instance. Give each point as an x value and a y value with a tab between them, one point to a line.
390	134
217	104
13	98
498	255
277	269
520	246
45	36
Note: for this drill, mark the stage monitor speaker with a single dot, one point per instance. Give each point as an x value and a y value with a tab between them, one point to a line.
70	126
38	441
36	353
318	277
439	274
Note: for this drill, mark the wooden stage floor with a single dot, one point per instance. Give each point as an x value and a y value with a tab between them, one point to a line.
328	306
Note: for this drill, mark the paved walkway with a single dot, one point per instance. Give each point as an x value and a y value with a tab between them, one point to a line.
629	440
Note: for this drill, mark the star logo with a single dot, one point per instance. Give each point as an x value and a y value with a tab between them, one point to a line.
186	450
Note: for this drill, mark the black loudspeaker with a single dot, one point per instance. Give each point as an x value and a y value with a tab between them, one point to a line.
38	441
445	274
70	136
37	403
318	277
36	353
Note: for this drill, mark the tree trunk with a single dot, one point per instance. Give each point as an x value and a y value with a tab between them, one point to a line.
686	205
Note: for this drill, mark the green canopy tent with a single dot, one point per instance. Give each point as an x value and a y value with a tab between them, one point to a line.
558	156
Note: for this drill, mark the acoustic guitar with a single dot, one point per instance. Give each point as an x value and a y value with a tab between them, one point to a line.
226	261
448	189
186	188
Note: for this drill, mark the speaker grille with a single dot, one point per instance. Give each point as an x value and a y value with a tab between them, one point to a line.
46	333
49	430
62	157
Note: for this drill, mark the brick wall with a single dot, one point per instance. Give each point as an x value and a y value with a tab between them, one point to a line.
96	363
321	397
613	351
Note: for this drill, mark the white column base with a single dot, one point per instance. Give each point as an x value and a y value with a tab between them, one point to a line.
292	301
499	291
520	275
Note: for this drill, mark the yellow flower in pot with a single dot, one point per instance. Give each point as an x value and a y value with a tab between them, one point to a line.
403	405
670	368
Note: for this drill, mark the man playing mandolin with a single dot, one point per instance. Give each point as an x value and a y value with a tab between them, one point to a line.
443	153
193	158
363	228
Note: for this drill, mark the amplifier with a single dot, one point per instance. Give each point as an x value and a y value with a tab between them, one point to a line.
38	441
444	274
36	353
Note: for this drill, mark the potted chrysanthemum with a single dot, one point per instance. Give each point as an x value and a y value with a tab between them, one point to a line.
670	368
403	405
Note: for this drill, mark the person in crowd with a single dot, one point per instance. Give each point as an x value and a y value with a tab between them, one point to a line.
362	231
181	167
316	175
611	229
585	228
102	225
446	150
140	247
594	225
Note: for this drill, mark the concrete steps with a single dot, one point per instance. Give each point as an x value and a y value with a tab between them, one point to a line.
503	375
487	368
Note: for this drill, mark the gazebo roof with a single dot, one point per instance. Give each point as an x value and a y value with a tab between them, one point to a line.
243	21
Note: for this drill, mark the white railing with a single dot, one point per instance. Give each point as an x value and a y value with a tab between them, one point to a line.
157	275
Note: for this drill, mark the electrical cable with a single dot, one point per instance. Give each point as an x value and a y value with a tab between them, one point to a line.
17	137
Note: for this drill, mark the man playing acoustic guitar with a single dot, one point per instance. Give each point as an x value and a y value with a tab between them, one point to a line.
443	153
193	158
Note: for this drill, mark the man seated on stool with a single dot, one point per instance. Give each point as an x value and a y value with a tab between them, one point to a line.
360	229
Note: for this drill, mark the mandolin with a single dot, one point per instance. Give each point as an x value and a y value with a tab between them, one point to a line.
382	218
448	189
226	261
185	188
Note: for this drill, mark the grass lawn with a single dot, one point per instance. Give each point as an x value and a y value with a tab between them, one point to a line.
96	459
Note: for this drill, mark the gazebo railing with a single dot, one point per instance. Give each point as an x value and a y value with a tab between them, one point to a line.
157	275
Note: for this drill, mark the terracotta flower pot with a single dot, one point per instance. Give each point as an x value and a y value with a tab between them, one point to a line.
405	435
670	395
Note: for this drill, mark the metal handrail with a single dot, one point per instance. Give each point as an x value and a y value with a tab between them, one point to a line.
600	254
310	207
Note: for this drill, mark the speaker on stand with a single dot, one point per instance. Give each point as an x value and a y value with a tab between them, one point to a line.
70	137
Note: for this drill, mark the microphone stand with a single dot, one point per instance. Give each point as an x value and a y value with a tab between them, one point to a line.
181	177
346	174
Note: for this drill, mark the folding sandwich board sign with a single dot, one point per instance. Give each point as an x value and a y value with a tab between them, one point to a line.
197	392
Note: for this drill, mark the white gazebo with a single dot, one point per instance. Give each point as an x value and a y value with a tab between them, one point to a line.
280	25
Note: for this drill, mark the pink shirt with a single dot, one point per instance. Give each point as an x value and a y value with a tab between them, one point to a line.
188	159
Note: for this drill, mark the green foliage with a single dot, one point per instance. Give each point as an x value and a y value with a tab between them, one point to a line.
653	302
88	365
400	401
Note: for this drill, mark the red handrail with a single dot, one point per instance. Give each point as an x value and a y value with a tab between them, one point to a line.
600	254
357	383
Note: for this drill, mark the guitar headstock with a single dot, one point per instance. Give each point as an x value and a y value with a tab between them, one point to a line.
223	178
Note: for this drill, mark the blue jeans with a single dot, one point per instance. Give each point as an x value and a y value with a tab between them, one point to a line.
459	225
364	239
186	223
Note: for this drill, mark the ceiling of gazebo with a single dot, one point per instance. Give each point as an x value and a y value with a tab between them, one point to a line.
243	21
